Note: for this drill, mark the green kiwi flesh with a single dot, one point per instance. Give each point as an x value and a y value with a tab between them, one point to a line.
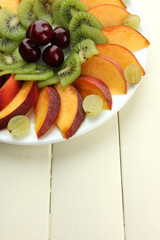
43	10
86	49
25	12
70	70
68	9
42	72
5	72
10	26
11	61
28	68
87	32
49	81
7	45
55	11
84	18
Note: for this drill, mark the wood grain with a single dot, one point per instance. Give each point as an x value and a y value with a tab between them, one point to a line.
24	192
140	142
86	187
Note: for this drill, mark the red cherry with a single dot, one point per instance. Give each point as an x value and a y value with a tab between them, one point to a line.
40	32
53	56
29	51
61	37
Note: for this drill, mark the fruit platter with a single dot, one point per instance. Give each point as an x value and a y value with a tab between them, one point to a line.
66	66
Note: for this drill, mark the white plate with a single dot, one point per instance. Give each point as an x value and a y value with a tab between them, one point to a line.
90	122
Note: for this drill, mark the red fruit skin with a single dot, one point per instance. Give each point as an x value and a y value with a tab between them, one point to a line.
79	118
24	107
61	37
29	51
40	32
8	91
87	85
53	56
52	112
3	79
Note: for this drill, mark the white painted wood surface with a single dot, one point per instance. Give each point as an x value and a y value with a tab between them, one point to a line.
88	196
24	192
86	187
140	141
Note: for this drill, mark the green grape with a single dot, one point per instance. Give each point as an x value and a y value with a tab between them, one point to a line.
92	104
133	74
19	125
132	21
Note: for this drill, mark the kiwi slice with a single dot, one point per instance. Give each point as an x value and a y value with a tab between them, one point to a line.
10	26
25	12
49	81
5	72
55	11
7	45
86	49
84	18
43	10
11	61
42	72
68	9
70	70
28	68
87	32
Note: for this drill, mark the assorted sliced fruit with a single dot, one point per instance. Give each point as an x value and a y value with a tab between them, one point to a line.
100	37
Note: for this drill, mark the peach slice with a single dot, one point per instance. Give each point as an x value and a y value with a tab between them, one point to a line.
89	85
47	108
119	54
71	113
8	91
93	3
3	79
12	4
109	15
21	104
108	71
126	37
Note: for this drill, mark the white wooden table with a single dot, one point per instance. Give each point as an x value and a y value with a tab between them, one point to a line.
102	185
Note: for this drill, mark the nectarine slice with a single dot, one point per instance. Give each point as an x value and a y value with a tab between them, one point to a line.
8	91
46	109
93	3
108	71
126	37
109	14
71	113
12	4
21	104
89	85
119	54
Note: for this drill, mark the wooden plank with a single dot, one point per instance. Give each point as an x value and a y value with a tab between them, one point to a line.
140	142
24	192
86	187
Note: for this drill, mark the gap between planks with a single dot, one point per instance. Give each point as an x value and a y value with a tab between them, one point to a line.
50	198
121	173
122	187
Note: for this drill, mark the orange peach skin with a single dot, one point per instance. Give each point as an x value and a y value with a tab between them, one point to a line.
94	3
119	54
71	113
46	109
126	37
12	4
109	14
21	104
108	71
88	85
8	91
